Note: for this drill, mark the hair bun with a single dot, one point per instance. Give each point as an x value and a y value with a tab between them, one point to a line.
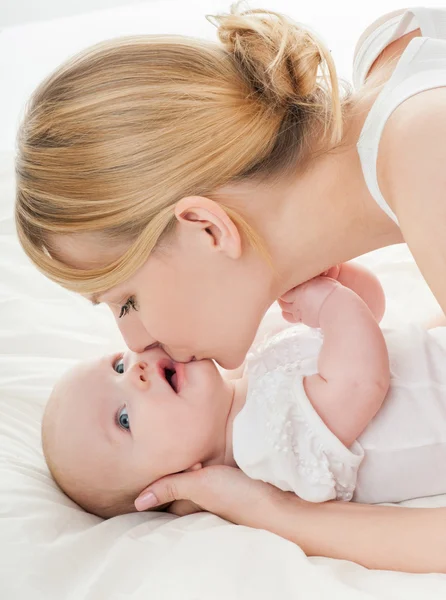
279	58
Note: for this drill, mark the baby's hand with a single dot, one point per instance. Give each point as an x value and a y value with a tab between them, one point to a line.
333	272
303	303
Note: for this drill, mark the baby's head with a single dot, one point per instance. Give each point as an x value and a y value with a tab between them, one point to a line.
115	424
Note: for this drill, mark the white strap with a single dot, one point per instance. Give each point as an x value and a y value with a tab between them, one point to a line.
409	78
391	27
372	46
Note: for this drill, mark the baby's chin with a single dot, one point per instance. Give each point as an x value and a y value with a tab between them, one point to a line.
202	368
202	374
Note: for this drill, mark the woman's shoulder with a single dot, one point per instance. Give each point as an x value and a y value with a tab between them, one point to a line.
412	177
412	152
399	141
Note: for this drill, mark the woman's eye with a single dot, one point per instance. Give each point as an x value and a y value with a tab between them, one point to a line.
119	366
123	419
125	308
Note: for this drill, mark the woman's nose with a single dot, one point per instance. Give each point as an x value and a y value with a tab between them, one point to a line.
134	334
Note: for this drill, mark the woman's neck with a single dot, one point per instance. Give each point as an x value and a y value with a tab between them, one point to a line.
323	216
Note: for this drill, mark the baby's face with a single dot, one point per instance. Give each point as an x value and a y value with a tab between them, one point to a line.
123	421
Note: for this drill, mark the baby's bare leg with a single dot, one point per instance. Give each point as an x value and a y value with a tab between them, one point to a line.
353	365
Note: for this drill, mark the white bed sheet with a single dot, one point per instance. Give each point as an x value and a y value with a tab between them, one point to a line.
49	548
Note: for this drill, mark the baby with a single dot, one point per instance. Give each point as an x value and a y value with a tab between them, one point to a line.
313	412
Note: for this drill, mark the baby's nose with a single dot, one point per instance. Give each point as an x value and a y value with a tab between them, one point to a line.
138	374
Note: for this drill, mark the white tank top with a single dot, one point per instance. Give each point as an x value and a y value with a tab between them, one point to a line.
422	67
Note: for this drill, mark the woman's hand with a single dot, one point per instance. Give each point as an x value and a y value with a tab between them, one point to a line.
377	537
224	491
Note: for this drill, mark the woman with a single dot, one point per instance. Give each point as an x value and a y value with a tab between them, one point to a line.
189	184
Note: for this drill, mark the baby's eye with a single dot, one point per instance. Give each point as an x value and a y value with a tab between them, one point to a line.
119	366
123	419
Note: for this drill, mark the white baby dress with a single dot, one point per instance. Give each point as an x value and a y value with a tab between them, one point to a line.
278	437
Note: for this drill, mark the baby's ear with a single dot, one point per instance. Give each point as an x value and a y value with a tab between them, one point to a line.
195	467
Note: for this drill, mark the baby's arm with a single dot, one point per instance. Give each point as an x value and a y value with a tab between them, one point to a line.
362	281
353	364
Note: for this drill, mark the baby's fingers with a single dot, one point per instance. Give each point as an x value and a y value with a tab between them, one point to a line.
284	305
290	312
290	318
288	297
333	272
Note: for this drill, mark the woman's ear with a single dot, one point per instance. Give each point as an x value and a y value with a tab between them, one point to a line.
212	220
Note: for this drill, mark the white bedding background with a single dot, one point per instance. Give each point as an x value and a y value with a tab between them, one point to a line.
51	549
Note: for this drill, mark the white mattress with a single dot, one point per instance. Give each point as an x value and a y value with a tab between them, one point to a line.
49	548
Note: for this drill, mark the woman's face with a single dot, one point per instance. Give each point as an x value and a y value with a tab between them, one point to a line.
189	297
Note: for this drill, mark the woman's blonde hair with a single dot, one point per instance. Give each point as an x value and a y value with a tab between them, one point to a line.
119	134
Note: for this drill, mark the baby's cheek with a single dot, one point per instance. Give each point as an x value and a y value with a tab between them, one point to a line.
144	467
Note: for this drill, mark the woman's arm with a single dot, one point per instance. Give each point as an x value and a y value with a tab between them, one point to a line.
377	537
412	177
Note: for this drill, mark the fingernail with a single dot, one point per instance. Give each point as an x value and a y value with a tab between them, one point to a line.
145	501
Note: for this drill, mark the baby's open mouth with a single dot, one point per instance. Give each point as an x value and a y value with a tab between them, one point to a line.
171	377
173	373
168	371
